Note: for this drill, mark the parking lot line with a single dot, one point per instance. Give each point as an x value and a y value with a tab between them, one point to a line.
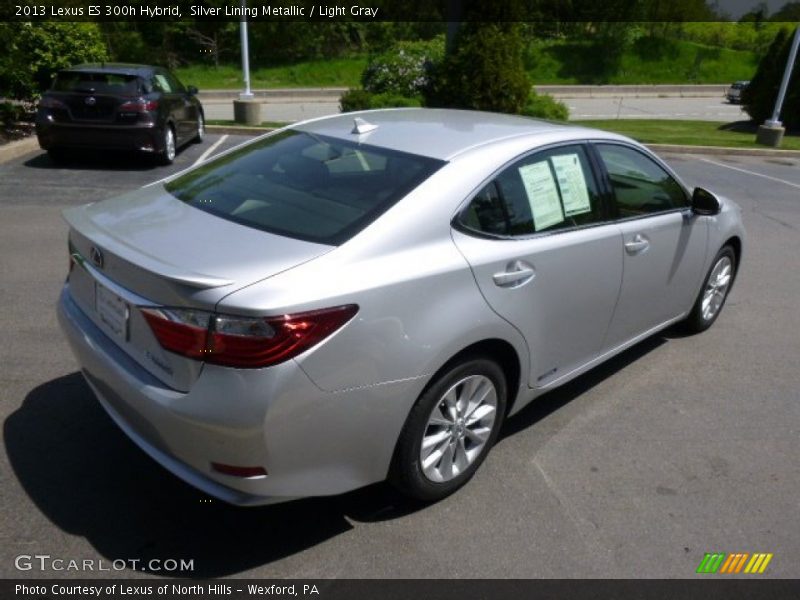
213	147
713	162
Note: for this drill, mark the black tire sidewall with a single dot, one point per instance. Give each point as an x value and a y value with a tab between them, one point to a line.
407	472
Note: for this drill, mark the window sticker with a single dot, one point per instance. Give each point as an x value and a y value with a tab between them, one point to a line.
572	184
542	194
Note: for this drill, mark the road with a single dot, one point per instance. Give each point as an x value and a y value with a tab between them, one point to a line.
680	446
699	109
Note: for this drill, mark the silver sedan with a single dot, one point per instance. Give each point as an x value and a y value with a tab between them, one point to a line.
369	296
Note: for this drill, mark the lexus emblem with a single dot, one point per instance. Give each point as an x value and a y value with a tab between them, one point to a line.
91	101
96	256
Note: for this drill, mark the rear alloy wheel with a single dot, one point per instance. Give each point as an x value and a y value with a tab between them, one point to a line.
168	154
450	430
714	292
201	129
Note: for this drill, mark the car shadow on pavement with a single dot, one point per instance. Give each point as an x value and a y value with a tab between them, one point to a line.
95	160
85	476
90	480
550	402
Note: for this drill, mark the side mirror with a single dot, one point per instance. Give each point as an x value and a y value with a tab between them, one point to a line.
704	202
193	91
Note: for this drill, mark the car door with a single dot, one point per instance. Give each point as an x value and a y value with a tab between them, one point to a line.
545	256
176	101
663	242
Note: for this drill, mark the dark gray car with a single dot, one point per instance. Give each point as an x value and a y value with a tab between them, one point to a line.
119	107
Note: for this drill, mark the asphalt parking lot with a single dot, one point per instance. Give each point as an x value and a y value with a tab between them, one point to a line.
680	446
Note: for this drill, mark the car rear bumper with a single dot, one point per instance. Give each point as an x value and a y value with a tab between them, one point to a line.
310	442
143	137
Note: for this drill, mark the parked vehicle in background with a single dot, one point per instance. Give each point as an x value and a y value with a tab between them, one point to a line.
330	305
734	93
113	106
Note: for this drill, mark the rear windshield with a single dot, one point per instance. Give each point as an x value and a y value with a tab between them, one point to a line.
304	186
97	83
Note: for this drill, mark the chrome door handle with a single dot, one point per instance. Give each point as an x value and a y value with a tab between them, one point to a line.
638	244
517	273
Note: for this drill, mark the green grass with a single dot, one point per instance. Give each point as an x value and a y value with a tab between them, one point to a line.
648	61
692	133
338	72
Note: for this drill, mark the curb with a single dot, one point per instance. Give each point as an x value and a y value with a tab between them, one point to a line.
238	130
658	148
722	151
19	148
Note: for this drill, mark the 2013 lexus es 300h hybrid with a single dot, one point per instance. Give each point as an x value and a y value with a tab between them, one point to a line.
369	296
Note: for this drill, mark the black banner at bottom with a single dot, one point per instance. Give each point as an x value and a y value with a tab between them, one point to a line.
397	589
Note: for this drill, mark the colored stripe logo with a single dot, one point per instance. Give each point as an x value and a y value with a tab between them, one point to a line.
737	562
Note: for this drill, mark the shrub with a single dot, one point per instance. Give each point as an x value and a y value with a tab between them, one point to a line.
759	97
405	69
36	50
484	72
544	106
358	99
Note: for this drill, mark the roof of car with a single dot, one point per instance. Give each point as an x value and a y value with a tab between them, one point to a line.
437	133
121	68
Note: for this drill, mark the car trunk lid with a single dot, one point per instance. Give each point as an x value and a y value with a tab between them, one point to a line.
147	248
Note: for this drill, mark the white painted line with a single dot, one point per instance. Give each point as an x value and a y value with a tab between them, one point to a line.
713	162
213	147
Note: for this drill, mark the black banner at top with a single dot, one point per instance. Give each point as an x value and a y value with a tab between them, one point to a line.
377	10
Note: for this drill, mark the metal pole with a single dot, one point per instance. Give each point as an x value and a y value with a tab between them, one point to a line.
246	94
774	122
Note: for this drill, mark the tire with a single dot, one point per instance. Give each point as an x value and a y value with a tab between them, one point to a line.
167	156
201	129
716	287
456	447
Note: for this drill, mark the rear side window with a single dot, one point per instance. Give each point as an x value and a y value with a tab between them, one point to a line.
114	84
304	186
546	191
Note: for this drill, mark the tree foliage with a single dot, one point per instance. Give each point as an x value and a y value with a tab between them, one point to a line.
485	71
35	51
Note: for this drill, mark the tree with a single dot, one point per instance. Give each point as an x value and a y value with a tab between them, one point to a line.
485	71
37	50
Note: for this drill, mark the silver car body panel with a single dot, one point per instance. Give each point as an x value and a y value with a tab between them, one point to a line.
424	291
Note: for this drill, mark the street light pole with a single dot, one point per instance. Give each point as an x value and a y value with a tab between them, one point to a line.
246	94
787	74
771	132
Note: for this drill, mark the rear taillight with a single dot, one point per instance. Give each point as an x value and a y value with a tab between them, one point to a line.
48	102
244	342
140	105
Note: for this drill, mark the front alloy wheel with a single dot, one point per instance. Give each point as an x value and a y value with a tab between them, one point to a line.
168	154
450	430
714	292
201	130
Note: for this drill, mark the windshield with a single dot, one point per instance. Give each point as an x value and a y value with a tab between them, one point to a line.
304	186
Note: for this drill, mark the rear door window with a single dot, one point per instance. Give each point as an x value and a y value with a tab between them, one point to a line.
304	186
549	190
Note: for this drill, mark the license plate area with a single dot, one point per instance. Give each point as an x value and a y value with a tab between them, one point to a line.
112	311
